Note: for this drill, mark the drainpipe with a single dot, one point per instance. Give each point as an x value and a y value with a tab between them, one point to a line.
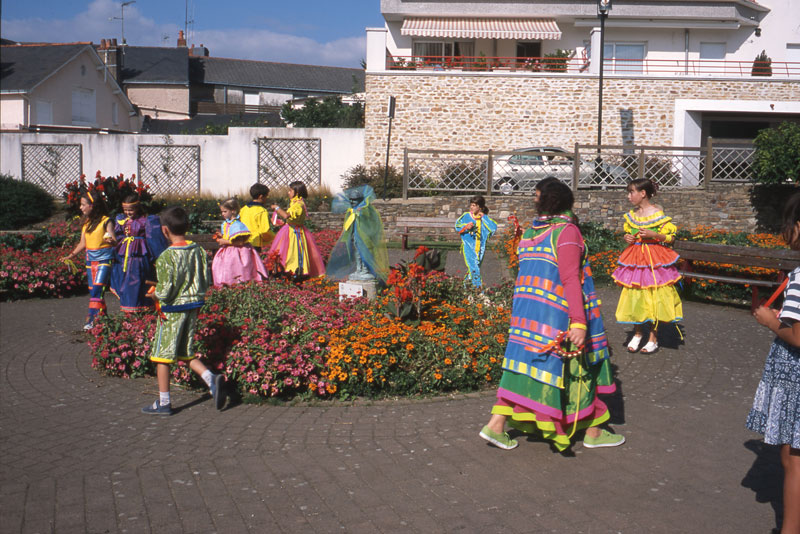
686	51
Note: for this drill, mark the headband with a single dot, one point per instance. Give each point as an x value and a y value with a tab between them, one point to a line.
130	204
89	194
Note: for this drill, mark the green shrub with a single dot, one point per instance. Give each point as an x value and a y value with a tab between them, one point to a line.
777	156
373	176
22	203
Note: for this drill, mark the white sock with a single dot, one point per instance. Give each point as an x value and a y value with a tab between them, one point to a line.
208	376
163	398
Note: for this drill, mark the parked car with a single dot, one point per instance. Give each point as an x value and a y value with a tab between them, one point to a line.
522	170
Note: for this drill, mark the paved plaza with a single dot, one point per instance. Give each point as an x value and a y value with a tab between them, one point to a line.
78	456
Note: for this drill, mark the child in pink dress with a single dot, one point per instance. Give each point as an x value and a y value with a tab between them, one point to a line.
236	260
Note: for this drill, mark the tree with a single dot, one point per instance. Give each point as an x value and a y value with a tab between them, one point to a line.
777	155
330	113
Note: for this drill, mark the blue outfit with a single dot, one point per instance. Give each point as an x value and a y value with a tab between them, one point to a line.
139	243
473	242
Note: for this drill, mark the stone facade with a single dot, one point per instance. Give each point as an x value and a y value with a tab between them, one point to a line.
742	208
504	112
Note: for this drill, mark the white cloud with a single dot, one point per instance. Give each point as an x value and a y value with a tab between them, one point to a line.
93	24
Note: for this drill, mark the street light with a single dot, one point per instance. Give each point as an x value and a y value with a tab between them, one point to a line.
122	17
603	7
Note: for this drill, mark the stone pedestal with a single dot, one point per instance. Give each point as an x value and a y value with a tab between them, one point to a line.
368	288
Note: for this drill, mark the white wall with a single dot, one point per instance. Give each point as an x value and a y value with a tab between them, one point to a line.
13	110
228	163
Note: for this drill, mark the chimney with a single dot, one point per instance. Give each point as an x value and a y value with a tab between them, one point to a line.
198	51
181	40
111	56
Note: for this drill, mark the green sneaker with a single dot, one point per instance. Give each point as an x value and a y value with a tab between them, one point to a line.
498	440
605	439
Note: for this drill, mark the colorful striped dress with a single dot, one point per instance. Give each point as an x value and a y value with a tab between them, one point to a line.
541	390
647	273
295	244
473	242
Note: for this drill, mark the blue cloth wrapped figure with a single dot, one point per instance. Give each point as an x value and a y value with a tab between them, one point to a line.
475	228
360	252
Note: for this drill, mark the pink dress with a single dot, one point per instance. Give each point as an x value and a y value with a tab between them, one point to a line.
234	264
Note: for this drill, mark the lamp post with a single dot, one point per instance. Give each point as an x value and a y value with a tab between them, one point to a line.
603	7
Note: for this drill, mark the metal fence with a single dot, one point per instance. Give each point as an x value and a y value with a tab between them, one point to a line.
585	167
50	166
170	169
282	161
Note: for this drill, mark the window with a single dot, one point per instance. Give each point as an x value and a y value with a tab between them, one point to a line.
712	50
84	110
621	57
529	49
44	112
114	113
431	51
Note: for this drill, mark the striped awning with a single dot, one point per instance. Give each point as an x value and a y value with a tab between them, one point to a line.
485	28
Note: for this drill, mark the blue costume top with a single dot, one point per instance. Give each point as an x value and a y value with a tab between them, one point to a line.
473	242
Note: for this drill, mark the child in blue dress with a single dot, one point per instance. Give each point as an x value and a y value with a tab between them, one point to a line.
475	228
776	407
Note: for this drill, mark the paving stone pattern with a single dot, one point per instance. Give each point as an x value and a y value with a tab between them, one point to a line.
78	456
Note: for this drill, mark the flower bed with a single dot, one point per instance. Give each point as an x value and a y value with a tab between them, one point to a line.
280	340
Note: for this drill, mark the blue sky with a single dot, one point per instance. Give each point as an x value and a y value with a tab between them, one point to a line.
317	32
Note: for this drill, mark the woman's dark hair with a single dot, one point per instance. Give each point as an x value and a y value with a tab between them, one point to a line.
543	182
555	197
299	189
791	215
480	202
643	184
231	204
133	199
98	211
175	219
256	190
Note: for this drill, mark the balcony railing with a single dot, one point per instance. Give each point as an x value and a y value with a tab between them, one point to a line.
215	108
579	65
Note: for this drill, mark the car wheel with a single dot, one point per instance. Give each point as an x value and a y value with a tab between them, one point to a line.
506	186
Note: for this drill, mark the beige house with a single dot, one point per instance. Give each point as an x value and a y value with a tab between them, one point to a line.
61	86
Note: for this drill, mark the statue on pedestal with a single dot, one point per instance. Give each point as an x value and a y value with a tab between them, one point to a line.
360	253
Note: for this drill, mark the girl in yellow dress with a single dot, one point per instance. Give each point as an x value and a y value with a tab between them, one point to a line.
293	242
647	269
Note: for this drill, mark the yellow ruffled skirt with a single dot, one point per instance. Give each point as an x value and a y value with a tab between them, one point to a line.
654	304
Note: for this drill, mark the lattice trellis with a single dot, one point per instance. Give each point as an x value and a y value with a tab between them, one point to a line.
170	169
732	165
283	161
50	166
447	172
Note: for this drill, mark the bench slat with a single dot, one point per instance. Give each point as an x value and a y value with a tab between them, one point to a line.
780	259
728	279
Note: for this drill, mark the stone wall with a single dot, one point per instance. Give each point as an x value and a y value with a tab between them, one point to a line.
742	208
474	112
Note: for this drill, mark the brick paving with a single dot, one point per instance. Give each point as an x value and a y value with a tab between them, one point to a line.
78	456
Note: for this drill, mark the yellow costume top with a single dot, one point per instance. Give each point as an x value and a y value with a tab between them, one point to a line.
94	239
256	218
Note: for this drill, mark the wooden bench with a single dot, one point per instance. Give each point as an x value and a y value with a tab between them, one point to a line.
782	260
204	240
422	222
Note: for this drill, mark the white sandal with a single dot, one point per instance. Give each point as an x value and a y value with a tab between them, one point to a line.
636	340
650	348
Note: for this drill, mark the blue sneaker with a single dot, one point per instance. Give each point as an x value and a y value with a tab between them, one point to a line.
157	409
217	389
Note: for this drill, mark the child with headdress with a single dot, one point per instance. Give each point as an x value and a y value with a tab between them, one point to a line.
236	260
139	243
97	239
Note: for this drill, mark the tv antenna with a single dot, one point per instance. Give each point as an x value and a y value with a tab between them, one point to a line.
188	23
121	18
